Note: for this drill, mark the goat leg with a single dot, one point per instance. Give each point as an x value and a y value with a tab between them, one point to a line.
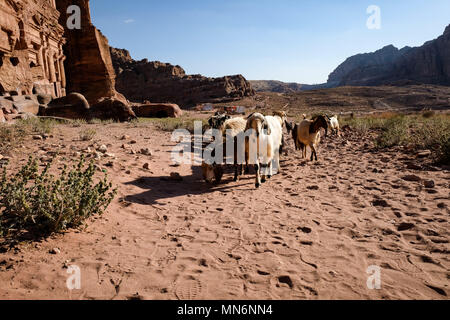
313	151
258	176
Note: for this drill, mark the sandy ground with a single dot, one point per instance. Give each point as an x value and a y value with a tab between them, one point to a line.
309	233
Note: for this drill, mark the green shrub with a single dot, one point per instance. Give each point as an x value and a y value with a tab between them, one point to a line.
363	125
40	204
395	132
87	135
420	131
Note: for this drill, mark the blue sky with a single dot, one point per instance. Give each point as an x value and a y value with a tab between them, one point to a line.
289	40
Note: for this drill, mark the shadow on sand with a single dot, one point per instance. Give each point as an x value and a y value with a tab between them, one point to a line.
162	188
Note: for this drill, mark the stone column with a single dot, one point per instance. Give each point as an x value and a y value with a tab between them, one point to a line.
62	72
40	59
51	67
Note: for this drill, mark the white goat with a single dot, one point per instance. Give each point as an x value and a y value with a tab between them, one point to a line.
334	125
232	127
266	133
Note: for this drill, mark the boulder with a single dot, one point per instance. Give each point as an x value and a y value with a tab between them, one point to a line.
72	106
112	108
2	117
20	116
27	106
44	98
15	98
6	105
158	110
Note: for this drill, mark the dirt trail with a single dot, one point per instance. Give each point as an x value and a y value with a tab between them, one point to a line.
311	232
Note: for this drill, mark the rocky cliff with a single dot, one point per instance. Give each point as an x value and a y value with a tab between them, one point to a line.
89	66
155	81
429	64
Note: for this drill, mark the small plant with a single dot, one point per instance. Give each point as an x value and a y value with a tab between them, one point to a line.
395	132
445	156
40	204
87	135
428	114
100	121
363	125
11	136
38	126
418	132
78	123
172	124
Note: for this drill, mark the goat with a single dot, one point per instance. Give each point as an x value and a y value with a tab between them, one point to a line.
307	133
230	129
214	169
267	133
216	121
282	116
334	125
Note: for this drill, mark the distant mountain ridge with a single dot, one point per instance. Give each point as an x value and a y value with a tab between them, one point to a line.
427	64
283	87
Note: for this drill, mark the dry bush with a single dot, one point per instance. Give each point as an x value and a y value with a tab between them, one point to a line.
87	134
415	131
172	124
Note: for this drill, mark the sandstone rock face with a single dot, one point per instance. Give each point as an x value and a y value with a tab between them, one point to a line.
31	42
429	64
162	82
89	66
158	110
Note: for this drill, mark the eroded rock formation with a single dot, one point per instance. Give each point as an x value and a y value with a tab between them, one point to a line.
89	66
429	64
31	48
162	82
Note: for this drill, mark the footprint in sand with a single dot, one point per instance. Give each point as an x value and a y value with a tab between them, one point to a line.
286	280
305	229
233	288
189	290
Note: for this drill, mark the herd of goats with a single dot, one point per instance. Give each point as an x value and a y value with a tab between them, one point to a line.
261	140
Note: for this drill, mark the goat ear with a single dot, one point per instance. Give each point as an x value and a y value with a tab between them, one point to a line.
266	128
